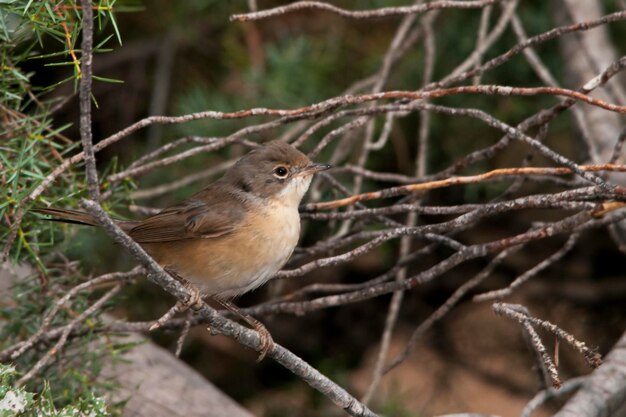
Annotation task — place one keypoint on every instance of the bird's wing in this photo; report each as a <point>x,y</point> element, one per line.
<point>209,214</point>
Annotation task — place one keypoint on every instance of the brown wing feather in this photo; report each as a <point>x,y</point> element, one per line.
<point>213,212</point>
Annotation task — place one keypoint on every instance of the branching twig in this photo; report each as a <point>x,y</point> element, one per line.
<point>520,314</point>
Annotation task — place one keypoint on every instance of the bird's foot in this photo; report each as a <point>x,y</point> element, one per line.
<point>194,301</point>
<point>266,341</point>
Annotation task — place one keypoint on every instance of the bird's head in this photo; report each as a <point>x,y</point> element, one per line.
<point>274,171</point>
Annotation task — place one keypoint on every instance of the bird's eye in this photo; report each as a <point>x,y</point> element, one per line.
<point>281,172</point>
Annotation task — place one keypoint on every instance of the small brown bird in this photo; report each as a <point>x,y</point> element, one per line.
<point>232,236</point>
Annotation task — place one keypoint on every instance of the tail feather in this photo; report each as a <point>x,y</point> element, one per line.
<point>79,217</point>
<point>67,216</point>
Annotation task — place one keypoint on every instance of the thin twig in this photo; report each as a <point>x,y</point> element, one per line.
<point>508,9</point>
<point>361,14</point>
<point>480,38</point>
<point>183,334</point>
<point>517,282</point>
<point>542,353</point>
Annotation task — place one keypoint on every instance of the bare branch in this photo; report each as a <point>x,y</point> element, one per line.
<point>85,100</point>
<point>470,179</point>
<point>363,14</point>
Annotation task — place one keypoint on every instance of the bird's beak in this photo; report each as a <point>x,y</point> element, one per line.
<point>312,169</point>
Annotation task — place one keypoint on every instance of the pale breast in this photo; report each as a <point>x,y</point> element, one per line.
<point>281,227</point>
<point>273,235</point>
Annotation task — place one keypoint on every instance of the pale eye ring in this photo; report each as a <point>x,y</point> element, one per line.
<point>281,172</point>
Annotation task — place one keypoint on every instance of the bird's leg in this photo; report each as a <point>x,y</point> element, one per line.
<point>267,343</point>
<point>194,301</point>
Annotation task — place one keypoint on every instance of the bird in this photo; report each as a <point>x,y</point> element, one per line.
<point>230,237</point>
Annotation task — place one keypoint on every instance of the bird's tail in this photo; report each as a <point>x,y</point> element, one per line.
<point>79,217</point>
<point>67,216</point>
